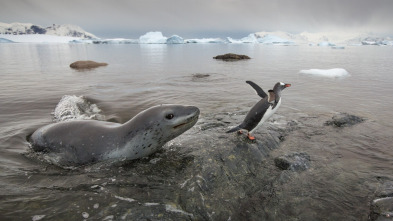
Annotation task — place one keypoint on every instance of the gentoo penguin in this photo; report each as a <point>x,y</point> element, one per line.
<point>262,110</point>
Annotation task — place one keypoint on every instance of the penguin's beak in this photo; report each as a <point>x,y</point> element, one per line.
<point>287,85</point>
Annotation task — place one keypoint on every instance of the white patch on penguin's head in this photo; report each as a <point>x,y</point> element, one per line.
<point>282,84</point>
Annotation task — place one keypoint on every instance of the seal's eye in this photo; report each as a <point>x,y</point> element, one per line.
<point>169,116</point>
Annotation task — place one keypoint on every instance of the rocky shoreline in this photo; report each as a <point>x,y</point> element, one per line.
<point>207,174</point>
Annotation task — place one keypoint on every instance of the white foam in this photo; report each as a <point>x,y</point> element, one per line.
<point>333,73</point>
<point>38,217</point>
<point>125,199</point>
<point>73,107</point>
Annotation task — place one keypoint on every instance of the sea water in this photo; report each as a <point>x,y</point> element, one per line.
<point>35,77</point>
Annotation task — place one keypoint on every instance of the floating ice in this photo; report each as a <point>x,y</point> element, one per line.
<point>326,44</point>
<point>155,37</point>
<point>115,41</point>
<point>36,38</point>
<point>73,107</point>
<point>206,40</point>
<point>272,39</point>
<point>3,40</point>
<point>338,47</point>
<point>251,38</point>
<point>175,39</point>
<point>333,73</point>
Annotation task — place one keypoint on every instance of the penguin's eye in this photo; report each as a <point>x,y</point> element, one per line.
<point>169,116</point>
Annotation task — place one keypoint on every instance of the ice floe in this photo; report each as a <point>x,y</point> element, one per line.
<point>275,40</point>
<point>154,37</point>
<point>332,73</point>
<point>37,38</point>
<point>326,44</point>
<point>205,40</point>
<point>251,38</point>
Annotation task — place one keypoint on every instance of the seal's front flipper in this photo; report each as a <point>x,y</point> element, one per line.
<point>258,89</point>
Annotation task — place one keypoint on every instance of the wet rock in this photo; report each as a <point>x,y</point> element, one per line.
<point>205,174</point>
<point>344,120</point>
<point>294,162</point>
<point>381,208</point>
<point>198,75</point>
<point>231,57</point>
<point>80,65</point>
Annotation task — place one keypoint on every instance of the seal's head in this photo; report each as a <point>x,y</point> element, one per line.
<point>177,119</point>
<point>165,122</point>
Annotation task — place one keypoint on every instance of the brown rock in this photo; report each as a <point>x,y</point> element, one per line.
<point>231,57</point>
<point>86,64</point>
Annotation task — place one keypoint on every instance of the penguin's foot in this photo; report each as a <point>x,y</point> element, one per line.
<point>250,137</point>
<point>239,132</point>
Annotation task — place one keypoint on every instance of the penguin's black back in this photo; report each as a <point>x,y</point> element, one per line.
<point>255,115</point>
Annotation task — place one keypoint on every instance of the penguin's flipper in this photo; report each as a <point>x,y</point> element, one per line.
<point>258,89</point>
<point>234,129</point>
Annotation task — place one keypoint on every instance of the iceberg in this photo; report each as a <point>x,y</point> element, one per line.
<point>251,38</point>
<point>333,73</point>
<point>275,40</point>
<point>175,39</point>
<point>326,44</point>
<point>154,37</point>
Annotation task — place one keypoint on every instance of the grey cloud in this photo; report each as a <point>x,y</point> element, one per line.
<point>198,17</point>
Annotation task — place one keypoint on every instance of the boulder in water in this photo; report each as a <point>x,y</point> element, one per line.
<point>344,120</point>
<point>86,65</point>
<point>231,57</point>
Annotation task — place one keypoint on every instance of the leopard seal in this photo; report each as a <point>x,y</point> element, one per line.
<point>79,142</point>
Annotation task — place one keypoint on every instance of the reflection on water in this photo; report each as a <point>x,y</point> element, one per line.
<point>34,77</point>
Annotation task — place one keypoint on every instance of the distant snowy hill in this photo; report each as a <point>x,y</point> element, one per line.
<point>56,30</point>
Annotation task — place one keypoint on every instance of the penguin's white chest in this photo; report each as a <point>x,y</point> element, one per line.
<point>269,112</point>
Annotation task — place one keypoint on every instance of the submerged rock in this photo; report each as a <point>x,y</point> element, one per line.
<point>344,120</point>
<point>294,162</point>
<point>231,57</point>
<point>86,65</point>
<point>198,75</point>
<point>381,208</point>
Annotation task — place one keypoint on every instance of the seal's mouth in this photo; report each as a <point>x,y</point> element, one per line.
<point>177,126</point>
<point>191,120</point>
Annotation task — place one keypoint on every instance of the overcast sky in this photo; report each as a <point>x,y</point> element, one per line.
<point>203,18</point>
